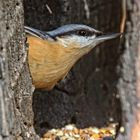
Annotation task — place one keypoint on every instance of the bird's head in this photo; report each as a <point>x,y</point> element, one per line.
<point>80,36</point>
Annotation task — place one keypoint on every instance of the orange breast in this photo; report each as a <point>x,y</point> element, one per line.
<point>49,62</point>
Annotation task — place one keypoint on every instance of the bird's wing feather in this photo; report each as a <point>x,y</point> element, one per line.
<point>36,32</point>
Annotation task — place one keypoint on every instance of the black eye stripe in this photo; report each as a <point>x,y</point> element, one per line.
<point>99,34</point>
<point>86,33</point>
<point>81,32</point>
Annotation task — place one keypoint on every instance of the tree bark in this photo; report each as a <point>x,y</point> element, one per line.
<point>16,116</point>
<point>128,84</point>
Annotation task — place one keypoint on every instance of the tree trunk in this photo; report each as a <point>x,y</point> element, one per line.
<point>16,116</point>
<point>129,81</point>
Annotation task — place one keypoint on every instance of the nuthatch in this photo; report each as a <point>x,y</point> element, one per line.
<point>52,54</point>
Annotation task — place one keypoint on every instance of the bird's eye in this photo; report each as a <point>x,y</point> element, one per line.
<point>82,33</point>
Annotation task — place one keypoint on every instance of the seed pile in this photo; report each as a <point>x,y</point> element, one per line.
<point>71,132</point>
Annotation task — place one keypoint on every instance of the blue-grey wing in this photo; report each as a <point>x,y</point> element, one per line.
<point>36,32</point>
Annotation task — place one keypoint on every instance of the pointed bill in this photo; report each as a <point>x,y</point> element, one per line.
<point>105,37</point>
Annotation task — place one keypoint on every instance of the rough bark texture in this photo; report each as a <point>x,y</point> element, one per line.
<point>128,84</point>
<point>16,116</point>
<point>88,95</point>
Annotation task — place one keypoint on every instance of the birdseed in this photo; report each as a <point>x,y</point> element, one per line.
<point>71,132</point>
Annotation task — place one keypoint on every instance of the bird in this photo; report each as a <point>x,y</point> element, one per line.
<point>52,54</point>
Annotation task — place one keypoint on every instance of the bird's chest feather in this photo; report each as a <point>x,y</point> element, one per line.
<point>49,62</point>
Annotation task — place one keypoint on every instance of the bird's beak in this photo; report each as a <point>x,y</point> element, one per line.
<point>103,37</point>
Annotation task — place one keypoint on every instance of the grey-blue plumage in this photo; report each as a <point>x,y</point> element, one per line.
<point>72,29</point>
